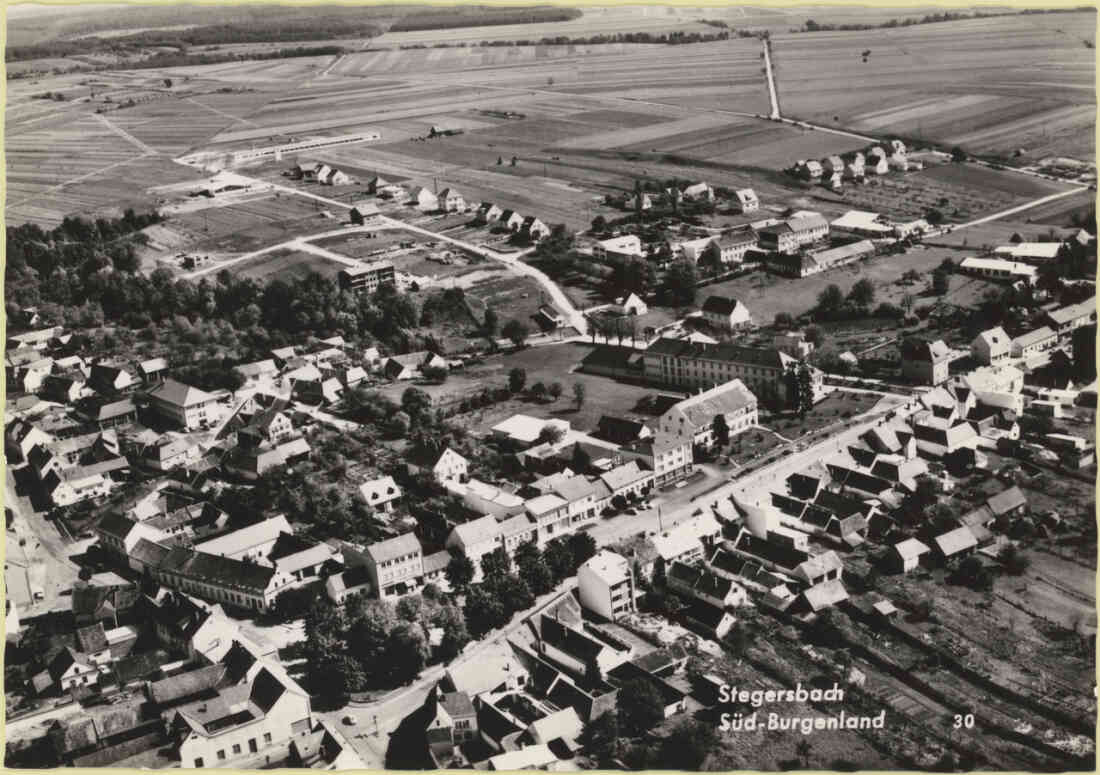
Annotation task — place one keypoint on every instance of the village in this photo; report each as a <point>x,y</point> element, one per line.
<point>322,463</point>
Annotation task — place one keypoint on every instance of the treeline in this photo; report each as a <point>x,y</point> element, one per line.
<point>481,16</point>
<point>932,18</point>
<point>670,39</point>
<point>211,35</point>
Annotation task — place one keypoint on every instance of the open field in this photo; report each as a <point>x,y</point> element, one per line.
<point>286,265</point>
<point>991,85</point>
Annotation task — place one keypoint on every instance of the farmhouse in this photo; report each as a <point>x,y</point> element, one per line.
<point>726,314</point>
<point>646,202</point>
<point>998,269</point>
<point>691,249</point>
<point>182,405</point>
<point>806,264</point>
<point>746,200</point>
<point>692,420</point>
<point>451,201</point>
<point>367,277</point>
<point>699,192</point>
<point>991,346</point>
<point>618,249</point>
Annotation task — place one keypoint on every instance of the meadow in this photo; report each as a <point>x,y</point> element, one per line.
<point>992,85</point>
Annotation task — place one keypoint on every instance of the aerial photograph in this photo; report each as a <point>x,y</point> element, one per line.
<point>550,387</point>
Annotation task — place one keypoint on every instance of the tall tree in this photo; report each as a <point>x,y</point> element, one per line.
<point>515,331</point>
<point>641,707</point>
<point>579,393</point>
<point>721,430</point>
<point>406,651</point>
<point>459,573</point>
<point>517,379</point>
<point>496,563</point>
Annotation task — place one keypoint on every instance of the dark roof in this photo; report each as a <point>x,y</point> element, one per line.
<point>116,525</point>
<point>1007,500</point>
<point>238,661</point>
<point>759,356</point>
<point>859,480</point>
<point>706,614</point>
<point>266,690</point>
<point>184,686</point>
<point>720,305</point>
<point>842,505</point>
<point>457,704</point>
<point>803,486</point>
<point>609,357</point>
<point>569,640</point>
<point>148,553</point>
<point>223,570</point>
<point>138,666</point>
<point>618,429</point>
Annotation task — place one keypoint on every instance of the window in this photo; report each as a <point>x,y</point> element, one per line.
<point>221,755</point>
<point>198,763</point>
<point>236,748</point>
<point>267,737</point>
<point>252,745</point>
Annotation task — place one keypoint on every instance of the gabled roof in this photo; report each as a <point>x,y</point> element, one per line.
<point>379,491</point>
<point>178,394</point>
<point>911,548</point>
<point>826,594</point>
<point>478,530</point>
<point>185,685</point>
<point>721,305</point>
<point>1006,501</point>
<point>92,639</point>
<point>955,541</point>
<point>393,548</point>
<point>757,356</point>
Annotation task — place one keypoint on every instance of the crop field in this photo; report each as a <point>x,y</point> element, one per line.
<point>246,226</point>
<point>992,85</point>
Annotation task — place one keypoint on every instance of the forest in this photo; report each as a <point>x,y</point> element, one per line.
<point>482,16</point>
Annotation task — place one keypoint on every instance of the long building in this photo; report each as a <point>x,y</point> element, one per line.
<point>688,364</point>
<point>367,277</point>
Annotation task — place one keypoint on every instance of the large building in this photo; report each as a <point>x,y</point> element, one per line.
<point>606,585</point>
<point>395,566</point>
<point>699,365</point>
<point>1065,319</point>
<point>991,346</point>
<point>925,363</point>
<point>182,405</point>
<point>999,269</point>
<point>692,420</point>
<point>367,277</point>
<point>618,249</point>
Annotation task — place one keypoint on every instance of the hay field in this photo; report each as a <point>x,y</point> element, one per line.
<point>992,85</point>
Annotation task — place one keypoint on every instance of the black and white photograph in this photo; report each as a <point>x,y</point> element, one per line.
<point>409,386</point>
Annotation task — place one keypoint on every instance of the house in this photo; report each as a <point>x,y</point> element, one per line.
<point>488,212</point>
<point>991,346</point>
<point>692,249</point>
<point>1034,342</point>
<point>746,200</point>
<point>713,622</point>
<point>699,582</point>
<point>252,373</point>
<point>627,480</point>
<point>998,269</point>
<point>530,757</point>
<point>525,430</point>
<point>453,722</point>
<point>899,162</point>
<point>353,581</point>
<point>20,437</point>
<point>832,165</point>
<point>925,363</point>
<point>954,544</point>
<point>809,170</point>
<point>1008,503</point>
<point>669,457</point>
<point>411,365</point>
<point>698,192</point>
<point>605,584</point>
<point>1066,319</point>
<point>110,379</point>
<point>451,201</point>
<point>620,430</point>
<point>63,389</point>
<point>906,555</point>
<point>855,167</point>
<point>395,566</point>
<point>646,202</point>
<point>633,305</point>
<point>67,670</point>
<point>450,467</point>
<point>793,343</point>
<point>269,426</point>
<point>692,419</point>
<point>182,405</point>
<point>818,597</point>
<point>778,238</point>
<point>169,453</point>
<point>618,250</point>
<point>424,199</point>
<point>511,220</point>
<point>252,543</point>
<point>382,494</point>
<point>475,539</point>
<point>726,314</point>
<point>534,229</point>
<point>376,184</point>
<point>1030,251</point>
<point>575,649</point>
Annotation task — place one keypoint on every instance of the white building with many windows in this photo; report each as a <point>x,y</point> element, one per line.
<point>606,585</point>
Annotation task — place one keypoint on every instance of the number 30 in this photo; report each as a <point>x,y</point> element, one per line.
<point>966,721</point>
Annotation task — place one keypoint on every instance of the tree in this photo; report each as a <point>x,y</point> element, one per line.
<point>580,462</point>
<point>407,652</point>
<point>516,332</point>
<point>538,391</point>
<point>496,563</point>
<point>1014,561</point>
<point>295,603</point>
<point>1036,424</point>
<point>583,548</point>
<point>550,434</point>
<point>907,302</point>
<point>800,389</point>
<point>830,300</point>
<point>815,336</point>
<point>599,225</point>
<point>958,154</point>
<point>356,217</point>
<point>411,608</point>
<point>85,573</point>
<point>558,558</point>
<point>517,378</point>
<point>484,611</point>
<point>862,294</point>
<point>973,573</point>
<point>492,323</point>
<point>941,282</point>
<point>640,706</point>
<point>721,430</point>
<point>678,288</point>
<point>370,622</point>
<point>555,389</point>
<point>398,425</point>
<point>459,573</point>
<point>168,83</point>
<point>415,403</point>
<point>783,321</point>
<point>687,746</point>
<point>534,571</point>
<point>601,738</point>
<point>579,392</point>
<point>455,635</point>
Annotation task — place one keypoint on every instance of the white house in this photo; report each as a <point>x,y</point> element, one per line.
<point>692,420</point>
<point>451,201</point>
<point>991,346</point>
<point>382,494</point>
<point>606,585</point>
<point>450,467</point>
<point>618,249</point>
<point>747,201</point>
<point>424,199</point>
<point>726,314</point>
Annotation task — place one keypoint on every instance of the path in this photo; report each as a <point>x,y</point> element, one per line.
<point>212,109</point>
<point>145,149</point>
<point>771,79</point>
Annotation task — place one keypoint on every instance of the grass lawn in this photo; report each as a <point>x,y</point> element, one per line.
<point>838,406</point>
<point>752,445</point>
<point>287,265</point>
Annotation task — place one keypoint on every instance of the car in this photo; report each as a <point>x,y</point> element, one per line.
<point>349,720</point>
